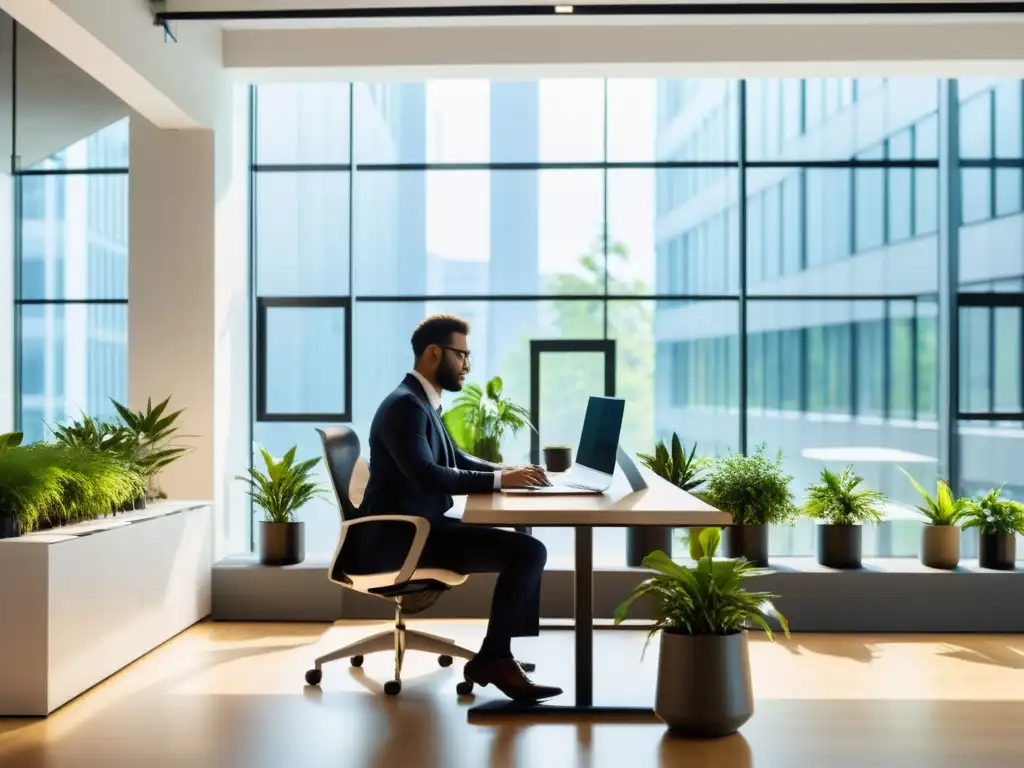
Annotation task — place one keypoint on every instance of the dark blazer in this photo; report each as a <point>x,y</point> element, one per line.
<point>415,469</point>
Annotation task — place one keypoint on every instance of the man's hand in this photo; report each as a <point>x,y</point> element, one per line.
<point>523,477</point>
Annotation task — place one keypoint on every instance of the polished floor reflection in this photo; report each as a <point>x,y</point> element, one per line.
<point>233,695</point>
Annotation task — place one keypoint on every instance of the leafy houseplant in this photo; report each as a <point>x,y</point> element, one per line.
<point>149,441</point>
<point>685,471</point>
<point>842,508</point>
<point>940,537</point>
<point>998,522</point>
<point>280,492</point>
<point>756,492</point>
<point>480,418</point>
<point>703,612</point>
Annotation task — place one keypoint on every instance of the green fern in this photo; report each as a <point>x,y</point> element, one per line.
<point>707,599</point>
<point>836,499</point>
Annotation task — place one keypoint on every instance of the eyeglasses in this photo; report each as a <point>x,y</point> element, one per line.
<point>462,353</point>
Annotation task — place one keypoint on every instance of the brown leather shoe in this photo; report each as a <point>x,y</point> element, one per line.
<point>508,677</point>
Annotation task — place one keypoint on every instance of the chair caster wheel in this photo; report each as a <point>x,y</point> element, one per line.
<point>356,661</point>
<point>444,661</point>
<point>465,688</point>
<point>528,666</point>
<point>314,676</point>
<point>393,687</point>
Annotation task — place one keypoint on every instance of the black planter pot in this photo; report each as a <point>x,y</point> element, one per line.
<point>839,546</point>
<point>749,542</point>
<point>140,503</point>
<point>997,551</point>
<point>282,543</point>
<point>641,540</point>
<point>557,458</point>
<point>10,527</point>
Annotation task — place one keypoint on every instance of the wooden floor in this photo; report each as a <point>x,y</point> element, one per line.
<point>233,695</point>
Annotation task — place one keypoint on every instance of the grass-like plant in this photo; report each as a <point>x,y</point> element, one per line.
<point>753,489</point>
<point>480,417</point>
<point>707,599</point>
<point>943,508</point>
<point>284,488</point>
<point>992,514</point>
<point>836,499</point>
<point>32,487</point>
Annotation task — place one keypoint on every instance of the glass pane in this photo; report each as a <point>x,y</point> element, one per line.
<point>306,359</point>
<point>479,121</point>
<point>106,148</point>
<point>673,231</point>
<point>673,120</point>
<point>74,236</point>
<point>302,233</point>
<point>854,400</point>
<point>786,121</point>
<point>470,233</point>
<point>302,123</point>
<point>74,359</point>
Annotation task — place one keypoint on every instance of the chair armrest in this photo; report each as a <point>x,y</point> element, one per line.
<point>412,559</point>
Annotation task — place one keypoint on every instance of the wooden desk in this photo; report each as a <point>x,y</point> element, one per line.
<point>661,504</point>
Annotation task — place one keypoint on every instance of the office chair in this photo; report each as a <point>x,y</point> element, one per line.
<point>411,589</point>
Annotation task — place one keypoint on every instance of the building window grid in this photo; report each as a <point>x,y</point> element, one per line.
<point>698,354</point>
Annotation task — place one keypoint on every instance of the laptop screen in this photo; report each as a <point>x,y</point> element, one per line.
<point>599,441</point>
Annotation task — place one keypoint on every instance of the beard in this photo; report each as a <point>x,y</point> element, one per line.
<point>448,377</point>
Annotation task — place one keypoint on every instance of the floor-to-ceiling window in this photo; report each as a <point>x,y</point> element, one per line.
<point>71,286</point>
<point>643,211</point>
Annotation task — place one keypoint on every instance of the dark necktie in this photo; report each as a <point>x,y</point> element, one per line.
<point>449,447</point>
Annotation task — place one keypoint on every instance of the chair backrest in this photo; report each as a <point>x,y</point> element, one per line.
<point>341,454</point>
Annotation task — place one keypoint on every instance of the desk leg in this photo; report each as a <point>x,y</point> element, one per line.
<point>584,616</point>
<point>583,635</point>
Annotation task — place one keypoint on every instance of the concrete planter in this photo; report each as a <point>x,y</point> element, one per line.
<point>940,546</point>
<point>704,687</point>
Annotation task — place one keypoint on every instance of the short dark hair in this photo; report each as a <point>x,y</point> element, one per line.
<point>436,329</point>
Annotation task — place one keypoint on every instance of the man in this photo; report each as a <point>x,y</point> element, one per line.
<point>415,469</point>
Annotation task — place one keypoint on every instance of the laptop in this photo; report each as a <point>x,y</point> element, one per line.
<point>597,454</point>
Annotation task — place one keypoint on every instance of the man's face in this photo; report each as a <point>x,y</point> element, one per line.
<point>453,364</point>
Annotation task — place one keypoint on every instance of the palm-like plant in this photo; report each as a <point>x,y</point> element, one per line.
<point>993,514</point>
<point>284,488</point>
<point>837,500</point>
<point>707,599</point>
<point>147,437</point>
<point>943,508</point>
<point>679,468</point>
<point>480,417</point>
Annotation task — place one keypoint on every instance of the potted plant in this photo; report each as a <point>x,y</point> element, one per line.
<point>280,492</point>
<point>479,419</point>
<point>998,521</point>
<point>93,436</point>
<point>756,492</point>
<point>940,536</point>
<point>704,612</point>
<point>842,508</point>
<point>685,471</point>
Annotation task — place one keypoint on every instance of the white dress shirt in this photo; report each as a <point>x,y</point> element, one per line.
<point>434,398</point>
